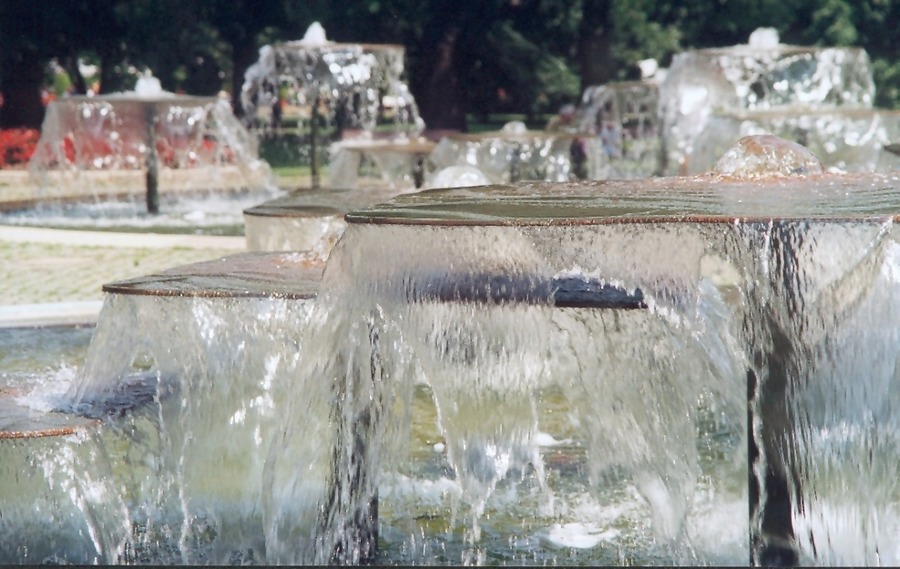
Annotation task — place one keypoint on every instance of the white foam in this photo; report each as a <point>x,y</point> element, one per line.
<point>579,535</point>
<point>547,440</point>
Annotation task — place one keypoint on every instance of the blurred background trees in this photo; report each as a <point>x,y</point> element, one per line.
<point>464,57</point>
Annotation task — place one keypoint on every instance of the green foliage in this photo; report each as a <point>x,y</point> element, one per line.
<point>637,37</point>
<point>500,55</point>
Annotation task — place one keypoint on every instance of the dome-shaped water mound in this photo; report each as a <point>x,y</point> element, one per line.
<point>765,156</point>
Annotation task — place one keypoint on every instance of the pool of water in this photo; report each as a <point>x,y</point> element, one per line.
<point>202,213</point>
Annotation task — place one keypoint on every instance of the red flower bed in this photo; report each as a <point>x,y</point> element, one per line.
<point>17,145</point>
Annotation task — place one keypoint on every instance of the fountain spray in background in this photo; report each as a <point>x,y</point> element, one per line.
<point>820,97</point>
<point>342,87</point>
<point>134,143</point>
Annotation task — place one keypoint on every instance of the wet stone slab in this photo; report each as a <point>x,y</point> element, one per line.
<point>256,274</point>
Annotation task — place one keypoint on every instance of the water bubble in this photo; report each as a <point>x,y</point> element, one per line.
<point>764,156</point>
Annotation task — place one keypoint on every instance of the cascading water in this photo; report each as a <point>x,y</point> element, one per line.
<point>762,78</point>
<point>624,116</point>
<point>98,155</point>
<point>358,83</point>
<point>530,374</point>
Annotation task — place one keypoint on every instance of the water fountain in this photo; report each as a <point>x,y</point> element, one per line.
<point>849,140</point>
<point>624,117</point>
<point>104,147</point>
<point>307,219</point>
<point>781,88</point>
<point>587,372</point>
<point>358,86</point>
<point>515,153</point>
<point>399,165</point>
<point>124,480</point>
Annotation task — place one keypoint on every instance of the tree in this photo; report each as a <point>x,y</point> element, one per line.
<point>28,35</point>
<point>239,23</point>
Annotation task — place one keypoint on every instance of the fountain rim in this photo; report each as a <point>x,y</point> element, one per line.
<point>301,212</point>
<point>248,275</point>
<point>780,49</point>
<point>130,287</point>
<point>363,218</point>
<point>298,45</point>
<point>14,434</point>
<point>702,199</point>
<point>46,433</point>
<point>131,97</point>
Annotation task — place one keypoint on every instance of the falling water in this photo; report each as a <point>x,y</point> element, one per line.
<point>491,372</point>
<point>457,394</point>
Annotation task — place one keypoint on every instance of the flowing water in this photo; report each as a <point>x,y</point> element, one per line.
<point>453,373</point>
<point>204,213</point>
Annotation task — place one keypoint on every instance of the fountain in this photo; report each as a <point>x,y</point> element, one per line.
<point>103,147</point>
<point>588,372</point>
<point>624,117</point>
<point>849,140</point>
<point>307,219</point>
<point>399,165</point>
<point>515,153</point>
<point>359,86</point>
<point>313,220</point>
<point>768,278</point>
<point>124,480</point>
<point>792,91</point>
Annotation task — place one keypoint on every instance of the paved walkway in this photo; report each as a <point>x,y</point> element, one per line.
<point>55,276</point>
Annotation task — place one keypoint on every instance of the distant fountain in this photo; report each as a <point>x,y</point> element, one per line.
<point>402,165</point>
<point>516,153</point>
<point>767,86</point>
<point>335,86</point>
<point>623,116</point>
<point>848,140</point>
<point>141,142</point>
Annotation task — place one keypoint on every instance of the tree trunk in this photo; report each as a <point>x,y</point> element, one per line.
<point>70,64</point>
<point>110,80</point>
<point>22,78</point>
<point>594,43</point>
<point>243,55</point>
<point>440,98</point>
